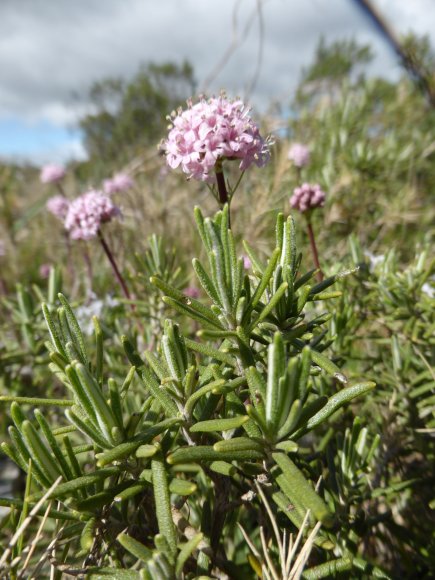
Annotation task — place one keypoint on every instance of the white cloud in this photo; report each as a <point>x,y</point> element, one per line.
<point>50,50</point>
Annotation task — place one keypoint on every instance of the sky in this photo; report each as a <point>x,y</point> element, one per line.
<point>51,50</point>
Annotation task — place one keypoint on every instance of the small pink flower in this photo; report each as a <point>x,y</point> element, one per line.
<point>299,154</point>
<point>307,197</point>
<point>192,292</point>
<point>119,183</point>
<point>246,262</point>
<point>86,214</point>
<point>44,271</point>
<point>211,131</point>
<point>52,173</point>
<point>58,205</point>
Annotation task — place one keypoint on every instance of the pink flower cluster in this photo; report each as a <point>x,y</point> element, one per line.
<point>299,154</point>
<point>307,197</point>
<point>119,183</point>
<point>58,205</point>
<point>52,173</point>
<point>210,131</point>
<point>86,214</point>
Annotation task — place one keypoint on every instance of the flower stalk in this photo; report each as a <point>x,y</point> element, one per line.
<point>114,265</point>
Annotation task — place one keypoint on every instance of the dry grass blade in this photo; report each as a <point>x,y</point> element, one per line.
<point>295,546</point>
<point>304,554</point>
<point>275,528</point>
<point>27,521</point>
<point>34,542</point>
<point>46,554</point>
<point>271,567</point>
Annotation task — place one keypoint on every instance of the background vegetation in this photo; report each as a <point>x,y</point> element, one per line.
<point>373,152</point>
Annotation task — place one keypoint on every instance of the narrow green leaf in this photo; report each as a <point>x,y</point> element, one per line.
<point>276,369</point>
<point>39,452</point>
<point>37,401</point>
<point>147,378</point>
<point>69,487</point>
<point>54,334</point>
<point>74,326</point>
<point>186,551</point>
<point>99,350</point>
<point>207,453</point>
<point>135,548</point>
<point>259,291</point>
<point>163,503</point>
<point>207,350</point>
<point>219,424</point>
<point>86,427</point>
<point>294,485</point>
<point>238,444</point>
<point>48,434</point>
<point>182,487</point>
<point>87,536</point>
<point>328,366</point>
<point>338,400</point>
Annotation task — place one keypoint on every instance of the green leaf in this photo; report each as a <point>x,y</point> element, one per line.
<point>294,485</point>
<point>186,551</point>
<point>219,424</point>
<point>163,503</point>
<point>37,401</point>
<point>338,400</point>
<point>148,380</point>
<point>74,326</point>
<point>48,434</point>
<point>238,444</point>
<point>69,487</point>
<point>264,282</point>
<point>135,548</point>
<point>276,369</point>
<point>87,536</point>
<point>328,366</point>
<point>209,351</point>
<point>39,453</point>
<point>207,453</point>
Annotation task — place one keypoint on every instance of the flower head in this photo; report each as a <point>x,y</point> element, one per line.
<point>119,183</point>
<point>247,264</point>
<point>44,270</point>
<point>299,154</point>
<point>211,131</point>
<point>58,205</point>
<point>307,197</point>
<point>86,214</point>
<point>52,173</point>
<point>192,292</point>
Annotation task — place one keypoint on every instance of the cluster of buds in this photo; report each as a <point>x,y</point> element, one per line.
<point>86,214</point>
<point>52,173</point>
<point>299,154</point>
<point>118,184</point>
<point>307,197</point>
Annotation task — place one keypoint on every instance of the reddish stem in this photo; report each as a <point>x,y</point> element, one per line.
<point>222,191</point>
<point>314,251</point>
<point>114,266</point>
<point>222,187</point>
